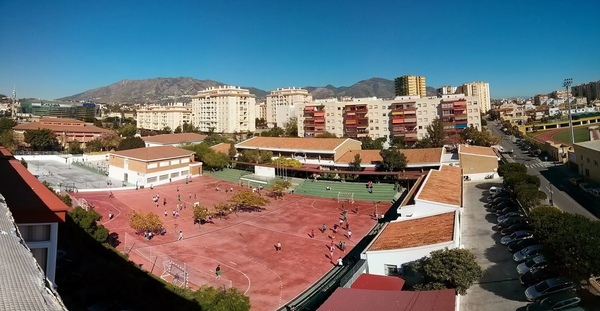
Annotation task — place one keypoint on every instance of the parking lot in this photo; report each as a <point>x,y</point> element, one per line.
<point>499,288</point>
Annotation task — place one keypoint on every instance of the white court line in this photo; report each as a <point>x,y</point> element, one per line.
<point>233,262</point>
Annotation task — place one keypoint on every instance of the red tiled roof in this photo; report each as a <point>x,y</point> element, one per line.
<point>378,282</point>
<point>28,199</point>
<point>61,120</point>
<point>416,232</point>
<point>349,299</point>
<point>222,147</point>
<point>366,156</point>
<point>443,186</point>
<point>298,143</point>
<point>60,128</point>
<point>413,156</point>
<point>477,150</point>
<point>154,153</point>
<point>178,138</point>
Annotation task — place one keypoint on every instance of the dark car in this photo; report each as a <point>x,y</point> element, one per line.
<point>513,248</point>
<point>517,236</point>
<point>535,276</point>
<point>535,262</point>
<point>548,287</point>
<point>508,215</point>
<point>528,252</point>
<point>498,195</point>
<point>499,199</point>
<point>512,221</point>
<point>502,205</point>
<point>515,228</point>
<point>509,209</point>
<point>562,301</point>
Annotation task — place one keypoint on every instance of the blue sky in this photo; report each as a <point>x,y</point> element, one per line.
<point>51,49</point>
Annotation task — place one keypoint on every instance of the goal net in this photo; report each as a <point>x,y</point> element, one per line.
<point>345,197</point>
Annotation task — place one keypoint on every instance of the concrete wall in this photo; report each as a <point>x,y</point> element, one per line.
<point>424,208</point>
<point>588,163</point>
<point>376,260</point>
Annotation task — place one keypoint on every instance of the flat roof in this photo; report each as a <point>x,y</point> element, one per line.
<point>154,153</point>
<point>592,145</point>
<point>378,282</point>
<point>443,186</point>
<point>178,138</point>
<point>293,143</point>
<point>60,128</point>
<point>477,150</point>
<point>350,299</point>
<point>416,232</point>
<point>29,200</point>
<point>413,156</point>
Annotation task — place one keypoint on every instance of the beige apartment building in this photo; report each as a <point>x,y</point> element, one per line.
<point>410,85</point>
<point>158,117</point>
<point>480,90</point>
<point>224,109</point>
<point>261,110</point>
<point>281,104</point>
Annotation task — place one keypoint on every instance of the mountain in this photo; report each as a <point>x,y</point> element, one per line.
<point>169,89</point>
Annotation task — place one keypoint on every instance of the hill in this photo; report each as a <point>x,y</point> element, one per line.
<point>382,88</point>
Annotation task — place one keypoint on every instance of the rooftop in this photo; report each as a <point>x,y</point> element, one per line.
<point>293,143</point>
<point>222,147</point>
<point>592,145</point>
<point>413,156</point>
<point>30,201</point>
<point>378,282</point>
<point>416,232</point>
<point>154,153</point>
<point>349,299</point>
<point>477,150</point>
<point>443,186</point>
<point>24,285</point>
<point>179,138</point>
<point>60,128</point>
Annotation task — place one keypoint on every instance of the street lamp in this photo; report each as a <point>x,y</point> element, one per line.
<point>551,193</point>
<point>567,83</point>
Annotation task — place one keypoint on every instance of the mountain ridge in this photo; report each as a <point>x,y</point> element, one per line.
<point>153,90</point>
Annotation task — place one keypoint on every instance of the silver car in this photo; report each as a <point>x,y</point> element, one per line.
<point>528,252</point>
<point>534,262</point>
<point>548,287</point>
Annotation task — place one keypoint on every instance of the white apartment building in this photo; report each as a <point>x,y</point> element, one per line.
<point>261,110</point>
<point>446,89</point>
<point>158,117</point>
<point>281,104</point>
<point>224,109</point>
<point>479,89</point>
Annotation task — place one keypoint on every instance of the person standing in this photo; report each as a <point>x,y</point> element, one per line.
<point>218,272</point>
<point>349,234</point>
<point>344,247</point>
<point>324,228</point>
<point>180,236</point>
<point>164,201</point>
<point>355,209</point>
<point>190,195</point>
<point>340,262</point>
<point>312,234</point>
<point>278,246</point>
<point>166,213</point>
<point>110,215</point>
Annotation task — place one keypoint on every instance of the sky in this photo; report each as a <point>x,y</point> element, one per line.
<point>53,49</point>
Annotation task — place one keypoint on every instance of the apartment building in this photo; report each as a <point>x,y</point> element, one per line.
<point>261,110</point>
<point>480,90</point>
<point>281,104</point>
<point>224,109</point>
<point>590,90</point>
<point>405,116</point>
<point>410,85</point>
<point>158,117</point>
<point>445,90</point>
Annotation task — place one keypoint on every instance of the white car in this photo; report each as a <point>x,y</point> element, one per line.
<point>494,190</point>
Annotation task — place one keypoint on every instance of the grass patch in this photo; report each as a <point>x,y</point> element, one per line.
<point>581,134</point>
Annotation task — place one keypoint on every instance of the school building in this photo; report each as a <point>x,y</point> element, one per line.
<point>175,140</point>
<point>65,130</point>
<point>478,162</point>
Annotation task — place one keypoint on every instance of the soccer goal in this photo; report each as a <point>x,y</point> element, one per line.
<point>346,197</point>
<point>83,203</point>
<point>175,273</point>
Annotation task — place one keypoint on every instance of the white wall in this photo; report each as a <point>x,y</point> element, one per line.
<point>425,208</point>
<point>376,260</point>
<point>142,179</point>
<point>264,171</point>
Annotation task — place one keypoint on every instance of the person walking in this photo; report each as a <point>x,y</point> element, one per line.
<point>179,197</point>
<point>278,246</point>
<point>190,195</point>
<point>110,215</point>
<point>340,262</point>
<point>218,272</point>
<point>177,188</point>
<point>194,195</point>
<point>349,234</point>
<point>312,234</point>
<point>166,213</point>
<point>180,236</point>
<point>164,201</point>
<point>355,209</point>
<point>344,247</point>
<point>324,228</point>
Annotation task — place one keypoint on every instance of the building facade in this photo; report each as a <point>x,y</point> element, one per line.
<point>480,90</point>
<point>590,90</point>
<point>158,117</point>
<point>588,158</point>
<point>65,130</point>
<point>58,109</point>
<point>224,109</point>
<point>281,104</point>
<point>410,85</point>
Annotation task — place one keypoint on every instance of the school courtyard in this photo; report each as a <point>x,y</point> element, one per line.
<point>244,243</point>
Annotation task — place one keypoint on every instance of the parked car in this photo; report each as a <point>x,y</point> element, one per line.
<point>508,215</point>
<point>535,276</point>
<point>499,200</point>
<point>514,228</point>
<point>548,287</point>
<point>595,192</point>
<point>585,187</point>
<point>512,208</point>
<point>494,190</point>
<point>575,181</point>
<point>512,221</point>
<point>537,261</point>
<point>503,194</point>
<point>516,236</point>
<point>513,248</point>
<point>502,205</point>
<point>528,252</point>
<point>562,301</point>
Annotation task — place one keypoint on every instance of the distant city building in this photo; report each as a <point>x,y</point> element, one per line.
<point>281,104</point>
<point>58,109</point>
<point>478,89</point>
<point>261,110</point>
<point>158,117</point>
<point>445,90</point>
<point>590,90</point>
<point>65,130</point>
<point>175,140</point>
<point>224,109</point>
<point>410,85</point>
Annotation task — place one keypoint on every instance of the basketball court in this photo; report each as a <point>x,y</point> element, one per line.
<point>243,244</point>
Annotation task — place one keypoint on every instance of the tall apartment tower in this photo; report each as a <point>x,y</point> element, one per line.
<point>159,117</point>
<point>281,104</point>
<point>411,85</point>
<point>224,109</point>
<point>478,89</point>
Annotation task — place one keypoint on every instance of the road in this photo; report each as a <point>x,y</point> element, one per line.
<point>558,188</point>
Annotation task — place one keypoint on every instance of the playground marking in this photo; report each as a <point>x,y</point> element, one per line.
<point>233,262</point>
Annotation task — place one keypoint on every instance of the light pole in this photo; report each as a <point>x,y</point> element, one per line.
<point>567,83</point>
<point>551,193</point>
<point>376,211</point>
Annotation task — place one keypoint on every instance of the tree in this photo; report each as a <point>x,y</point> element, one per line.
<point>178,130</point>
<point>274,132</point>
<point>201,212</point>
<point>290,127</point>
<point>513,180</point>
<point>210,298</point>
<point>511,167</point>
<point>357,162</point>
<point>250,156</point>
<point>141,222</point>
<point>165,130</point>
<point>215,139</point>
<point>454,140</point>
<point>476,137</point>
<point>285,162</point>
<point>6,124</point>
<point>7,139</point>
<point>41,139</point>
<point>424,142</point>
<point>216,160</point>
<point>266,157</point>
<point>200,149</point>
<point>131,143</point>
<point>189,128</point>
<point>448,268</point>
<point>110,141</point>
<point>222,209</point>
<point>393,160</point>
<point>24,163</point>
<point>93,145</point>
<point>88,221</point>
<point>372,144</point>
<point>128,130</point>
<point>435,133</point>
<point>397,142</point>
<point>326,134</point>
<point>529,195</point>
<point>74,148</point>
<point>279,187</point>
<point>247,199</point>
<point>260,123</point>
<point>232,151</point>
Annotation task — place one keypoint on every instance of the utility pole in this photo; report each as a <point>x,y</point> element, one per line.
<point>551,193</point>
<point>567,83</point>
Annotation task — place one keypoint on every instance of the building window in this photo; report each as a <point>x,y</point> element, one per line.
<point>419,112</point>
<point>595,163</point>
<point>370,106</point>
<point>420,120</point>
<point>371,121</point>
<point>420,127</point>
<point>384,114</point>
<point>391,270</point>
<point>41,256</point>
<point>588,160</point>
<point>377,128</point>
<point>371,128</point>
<point>385,128</point>
<point>375,107</point>
<point>35,233</point>
<point>425,120</point>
